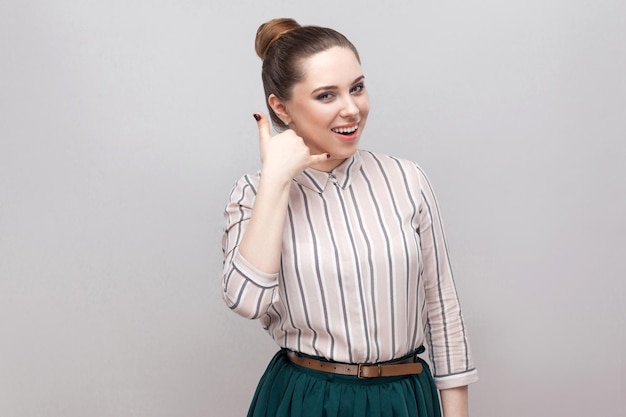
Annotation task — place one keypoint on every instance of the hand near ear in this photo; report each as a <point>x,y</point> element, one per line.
<point>284,155</point>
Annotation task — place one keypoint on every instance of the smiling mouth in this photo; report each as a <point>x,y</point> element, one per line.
<point>345,130</point>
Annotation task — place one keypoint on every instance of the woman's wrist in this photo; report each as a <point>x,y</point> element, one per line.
<point>275,177</point>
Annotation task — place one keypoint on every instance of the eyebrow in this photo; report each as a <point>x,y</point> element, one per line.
<point>334,87</point>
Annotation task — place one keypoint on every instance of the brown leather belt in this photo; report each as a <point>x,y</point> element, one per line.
<point>361,370</point>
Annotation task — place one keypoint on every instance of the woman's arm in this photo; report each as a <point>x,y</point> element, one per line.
<point>454,402</point>
<point>283,157</point>
<point>449,349</point>
<point>262,241</point>
<point>255,220</point>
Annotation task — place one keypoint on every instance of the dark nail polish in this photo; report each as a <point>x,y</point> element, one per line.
<point>257,117</point>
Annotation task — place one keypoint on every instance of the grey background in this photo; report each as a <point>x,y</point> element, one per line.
<point>124,124</point>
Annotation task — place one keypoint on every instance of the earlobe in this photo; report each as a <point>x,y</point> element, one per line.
<point>279,108</point>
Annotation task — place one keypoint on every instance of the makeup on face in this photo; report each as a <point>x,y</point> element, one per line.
<point>329,107</point>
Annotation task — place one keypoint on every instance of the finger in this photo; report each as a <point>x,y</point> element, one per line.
<point>316,159</point>
<point>264,126</point>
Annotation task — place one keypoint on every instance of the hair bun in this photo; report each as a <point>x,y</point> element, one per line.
<point>268,32</point>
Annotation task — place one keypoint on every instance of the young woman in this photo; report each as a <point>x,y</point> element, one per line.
<point>340,252</point>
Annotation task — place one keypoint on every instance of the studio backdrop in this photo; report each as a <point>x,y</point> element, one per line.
<point>124,125</point>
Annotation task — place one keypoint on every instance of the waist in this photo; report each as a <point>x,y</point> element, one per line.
<point>400,367</point>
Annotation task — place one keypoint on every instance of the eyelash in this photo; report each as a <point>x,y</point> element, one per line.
<point>324,96</point>
<point>357,89</point>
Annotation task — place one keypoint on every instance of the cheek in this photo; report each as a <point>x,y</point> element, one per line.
<point>366,103</point>
<point>321,115</point>
<point>311,113</point>
<point>364,110</point>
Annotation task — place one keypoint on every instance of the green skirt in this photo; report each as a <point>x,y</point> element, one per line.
<point>288,390</point>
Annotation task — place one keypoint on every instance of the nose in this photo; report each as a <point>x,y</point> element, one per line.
<point>350,109</point>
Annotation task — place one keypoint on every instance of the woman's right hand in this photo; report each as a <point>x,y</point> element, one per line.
<point>285,155</point>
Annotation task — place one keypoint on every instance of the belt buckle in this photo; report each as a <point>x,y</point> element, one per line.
<point>360,371</point>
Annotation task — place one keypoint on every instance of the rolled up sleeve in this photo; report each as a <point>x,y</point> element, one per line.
<point>245,289</point>
<point>446,334</point>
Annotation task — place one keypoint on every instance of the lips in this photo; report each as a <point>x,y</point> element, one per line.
<point>345,130</point>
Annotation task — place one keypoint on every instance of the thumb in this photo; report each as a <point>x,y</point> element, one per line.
<point>264,126</point>
<point>316,159</point>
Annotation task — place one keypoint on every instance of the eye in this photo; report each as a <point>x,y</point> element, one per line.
<point>325,97</point>
<point>357,88</point>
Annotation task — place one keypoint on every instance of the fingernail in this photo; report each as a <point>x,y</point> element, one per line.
<point>257,117</point>
<point>327,156</point>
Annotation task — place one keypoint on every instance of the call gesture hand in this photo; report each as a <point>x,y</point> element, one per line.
<point>284,155</point>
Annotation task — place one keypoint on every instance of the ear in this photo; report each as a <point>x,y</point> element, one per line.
<point>280,108</point>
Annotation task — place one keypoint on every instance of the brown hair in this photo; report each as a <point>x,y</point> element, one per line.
<point>283,44</point>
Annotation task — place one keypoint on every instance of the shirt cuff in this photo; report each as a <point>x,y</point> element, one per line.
<point>250,272</point>
<point>456,380</point>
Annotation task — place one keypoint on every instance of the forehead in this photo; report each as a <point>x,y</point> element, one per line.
<point>333,67</point>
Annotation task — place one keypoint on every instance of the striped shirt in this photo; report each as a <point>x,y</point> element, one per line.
<point>365,275</point>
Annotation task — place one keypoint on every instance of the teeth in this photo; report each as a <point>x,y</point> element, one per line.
<point>345,129</point>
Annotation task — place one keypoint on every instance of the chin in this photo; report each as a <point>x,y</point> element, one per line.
<point>344,153</point>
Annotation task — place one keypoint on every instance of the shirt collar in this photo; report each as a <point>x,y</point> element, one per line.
<point>341,175</point>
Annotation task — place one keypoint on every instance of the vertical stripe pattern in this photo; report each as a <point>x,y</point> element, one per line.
<point>365,273</point>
